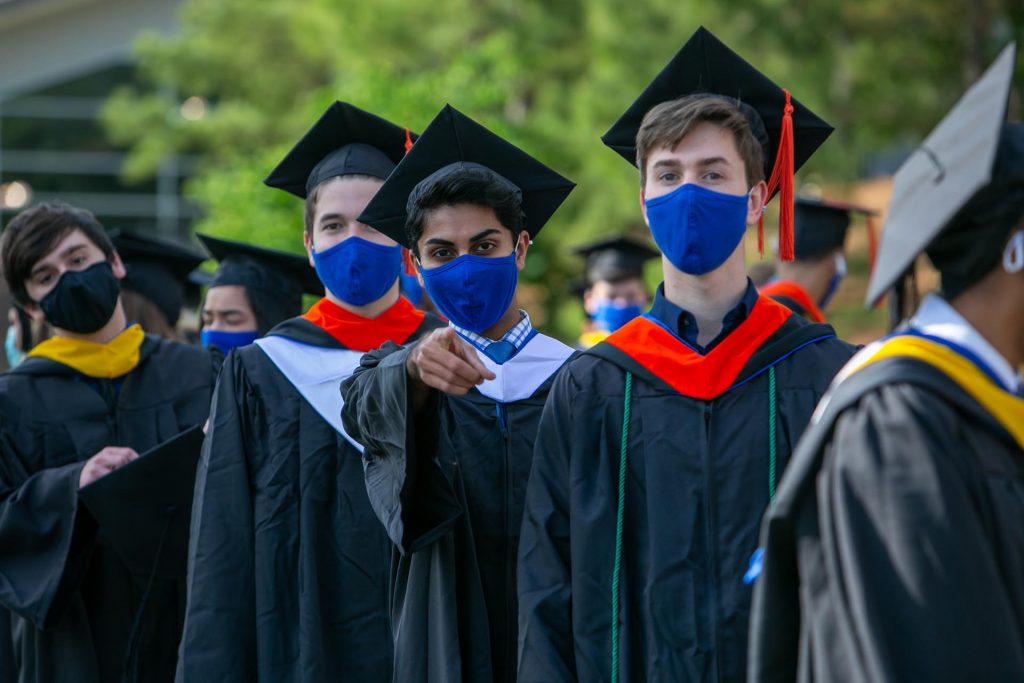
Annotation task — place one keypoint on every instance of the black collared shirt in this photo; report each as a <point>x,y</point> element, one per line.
<point>684,324</point>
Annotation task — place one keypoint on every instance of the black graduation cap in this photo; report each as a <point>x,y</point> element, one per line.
<point>820,226</point>
<point>455,143</point>
<point>345,140</point>
<point>948,172</point>
<point>615,258</point>
<point>143,509</point>
<point>274,280</point>
<point>706,65</point>
<point>160,270</point>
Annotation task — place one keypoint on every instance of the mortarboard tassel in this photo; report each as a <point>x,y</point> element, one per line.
<point>872,244</point>
<point>782,178</point>
<point>407,262</point>
<point>408,146</point>
<point>873,253</point>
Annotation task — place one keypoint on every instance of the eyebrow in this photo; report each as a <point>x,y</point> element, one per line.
<point>483,234</point>
<point>674,163</point>
<point>333,216</point>
<point>439,241</point>
<point>63,255</point>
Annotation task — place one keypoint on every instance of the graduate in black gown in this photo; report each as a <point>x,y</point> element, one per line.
<point>895,550</point>
<point>807,284</point>
<point>288,567</point>
<point>83,403</point>
<point>449,423</point>
<point>613,290</point>
<point>253,290</point>
<point>659,448</point>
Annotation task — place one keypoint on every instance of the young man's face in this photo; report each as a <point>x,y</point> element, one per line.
<point>707,157</point>
<point>452,231</point>
<point>339,203</point>
<point>622,293</point>
<point>227,309</point>
<point>73,252</point>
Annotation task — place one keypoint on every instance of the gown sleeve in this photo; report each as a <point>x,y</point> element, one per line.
<point>907,547</point>
<point>409,491</point>
<point>45,538</point>
<point>544,581</point>
<point>218,641</point>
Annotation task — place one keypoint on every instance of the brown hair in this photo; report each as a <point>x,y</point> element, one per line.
<point>139,309</point>
<point>35,232</point>
<point>666,124</point>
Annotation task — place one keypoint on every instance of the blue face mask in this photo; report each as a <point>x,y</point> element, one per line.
<point>610,316</point>
<point>225,341</point>
<point>473,291</point>
<point>697,229</point>
<point>833,284</point>
<point>14,355</point>
<point>358,271</point>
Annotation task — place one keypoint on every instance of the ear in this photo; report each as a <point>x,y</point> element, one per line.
<point>756,199</point>
<point>307,242</point>
<point>117,265</point>
<point>643,208</point>
<point>522,245</point>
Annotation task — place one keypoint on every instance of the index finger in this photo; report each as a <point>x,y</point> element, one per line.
<point>467,353</point>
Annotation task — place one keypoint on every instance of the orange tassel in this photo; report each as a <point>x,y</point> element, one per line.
<point>782,178</point>
<point>408,146</point>
<point>872,243</point>
<point>407,262</point>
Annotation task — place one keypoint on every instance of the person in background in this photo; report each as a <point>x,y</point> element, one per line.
<point>161,281</point>
<point>894,550</point>
<point>613,289</point>
<point>253,290</point>
<point>18,340</point>
<point>807,284</point>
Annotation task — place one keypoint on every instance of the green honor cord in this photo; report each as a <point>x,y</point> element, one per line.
<point>620,513</point>
<point>772,417</point>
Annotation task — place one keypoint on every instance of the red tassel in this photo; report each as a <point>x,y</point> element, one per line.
<point>782,178</point>
<point>408,146</point>
<point>407,262</point>
<point>760,235</point>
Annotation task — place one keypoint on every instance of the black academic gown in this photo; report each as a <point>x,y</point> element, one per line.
<point>895,548</point>
<point>697,483</point>
<point>449,488</point>
<point>73,600</point>
<point>288,566</point>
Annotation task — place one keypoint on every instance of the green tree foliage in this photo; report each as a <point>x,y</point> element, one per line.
<point>551,76</point>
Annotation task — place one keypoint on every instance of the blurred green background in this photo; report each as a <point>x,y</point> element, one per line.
<point>550,76</point>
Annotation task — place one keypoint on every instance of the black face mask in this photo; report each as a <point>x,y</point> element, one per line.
<point>83,300</point>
